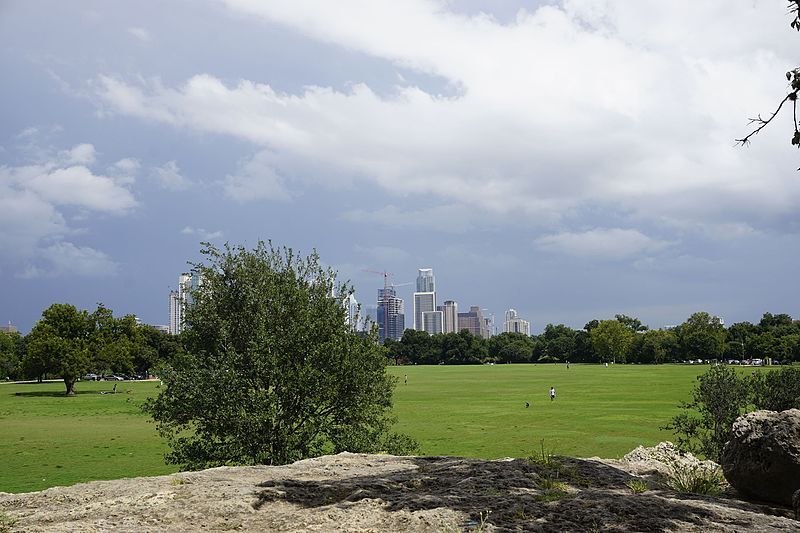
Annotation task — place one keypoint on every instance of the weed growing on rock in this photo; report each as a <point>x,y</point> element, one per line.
<point>696,479</point>
<point>542,458</point>
<point>637,486</point>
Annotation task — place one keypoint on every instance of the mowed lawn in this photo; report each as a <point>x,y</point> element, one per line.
<point>479,411</point>
<point>47,439</point>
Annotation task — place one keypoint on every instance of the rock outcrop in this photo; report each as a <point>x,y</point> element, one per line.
<point>375,493</point>
<point>762,458</point>
<point>662,460</point>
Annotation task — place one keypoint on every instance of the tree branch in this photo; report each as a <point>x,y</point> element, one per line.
<point>763,123</point>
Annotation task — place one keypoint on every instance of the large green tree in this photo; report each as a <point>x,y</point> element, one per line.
<point>10,365</point>
<point>702,336</point>
<point>58,344</point>
<point>611,340</point>
<point>271,371</point>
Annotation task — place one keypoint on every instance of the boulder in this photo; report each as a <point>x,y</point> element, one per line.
<point>762,458</point>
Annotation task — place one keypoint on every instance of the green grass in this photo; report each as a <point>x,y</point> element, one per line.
<point>479,411</point>
<point>47,439</point>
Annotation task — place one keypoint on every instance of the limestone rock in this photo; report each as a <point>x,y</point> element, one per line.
<point>762,458</point>
<point>662,460</point>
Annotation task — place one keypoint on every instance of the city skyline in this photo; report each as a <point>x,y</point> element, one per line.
<point>572,160</point>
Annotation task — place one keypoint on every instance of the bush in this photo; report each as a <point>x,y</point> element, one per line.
<point>777,390</point>
<point>705,423</point>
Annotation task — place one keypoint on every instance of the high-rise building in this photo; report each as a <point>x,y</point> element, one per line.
<point>449,316</point>
<point>351,311</point>
<point>432,322</point>
<point>391,314</point>
<point>179,299</point>
<point>514,324</point>
<point>10,328</point>
<point>474,322</point>
<point>425,280</point>
<point>425,302</point>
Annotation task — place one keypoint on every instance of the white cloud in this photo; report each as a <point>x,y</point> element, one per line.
<point>125,170</point>
<point>81,154</point>
<point>202,233</point>
<point>140,33</point>
<point>169,177</point>
<point>128,165</point>
<point>601,243</point>
<point>626,107</point>
<point>33,202</point>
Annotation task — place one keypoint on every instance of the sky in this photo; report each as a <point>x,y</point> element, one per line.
<point>569,159</point>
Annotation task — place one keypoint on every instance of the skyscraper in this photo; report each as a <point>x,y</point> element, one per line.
<point>391,314</point>
<point>179,299</point>
<point>426,282</point>
<point>474,322</point>
<point>425,302</point>
<point>514,324</point>
<point>351,311</point>
<point>449,316</point>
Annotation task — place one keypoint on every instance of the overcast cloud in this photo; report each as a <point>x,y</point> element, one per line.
<point>570,159</point>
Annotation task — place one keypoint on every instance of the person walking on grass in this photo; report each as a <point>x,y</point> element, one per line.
<point>552,393</point>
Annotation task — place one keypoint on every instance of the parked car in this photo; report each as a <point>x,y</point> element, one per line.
<point>91,377</point>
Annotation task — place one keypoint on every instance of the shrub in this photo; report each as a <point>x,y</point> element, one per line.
<point>705,423</point>
<point>777,390</point>
<point>696,479</point>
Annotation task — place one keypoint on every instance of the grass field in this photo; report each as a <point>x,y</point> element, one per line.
<point>47,439</point>
<point>475,411</point>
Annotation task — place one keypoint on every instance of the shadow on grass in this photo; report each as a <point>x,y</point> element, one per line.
<point>55,394</point>
<point>597,497</point>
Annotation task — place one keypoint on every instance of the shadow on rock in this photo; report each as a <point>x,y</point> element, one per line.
<point>565,495</point>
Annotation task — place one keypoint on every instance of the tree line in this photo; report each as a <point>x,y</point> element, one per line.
<point>67,343</point>
<point>623,339</point>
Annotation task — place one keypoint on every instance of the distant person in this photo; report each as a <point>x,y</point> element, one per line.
<point>552,393</point>
<point>567,365</point>
<point>406,378</point>
<point>527,405</point>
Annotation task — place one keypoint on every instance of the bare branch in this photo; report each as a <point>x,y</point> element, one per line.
<point>763,123</point>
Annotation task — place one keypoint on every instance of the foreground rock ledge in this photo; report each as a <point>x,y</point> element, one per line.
<point>354,492</point>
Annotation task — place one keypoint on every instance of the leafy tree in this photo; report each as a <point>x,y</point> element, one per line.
<point>704,424</point>
<point>702,336</point>
<point>10,355</point>
<point>611,340</point>
<point>272,373</point>
<point>583,351</point>
<point>557,343</point>
<point>777,390</point>
<point>511,348</point>
<point>58,344</point>
<point>652,346</point>
<point>634,324</point>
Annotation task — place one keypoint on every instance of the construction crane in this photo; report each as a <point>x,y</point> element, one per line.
<point>385,302</point>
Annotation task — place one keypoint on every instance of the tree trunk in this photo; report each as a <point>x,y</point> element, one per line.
<point>70,383</point>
